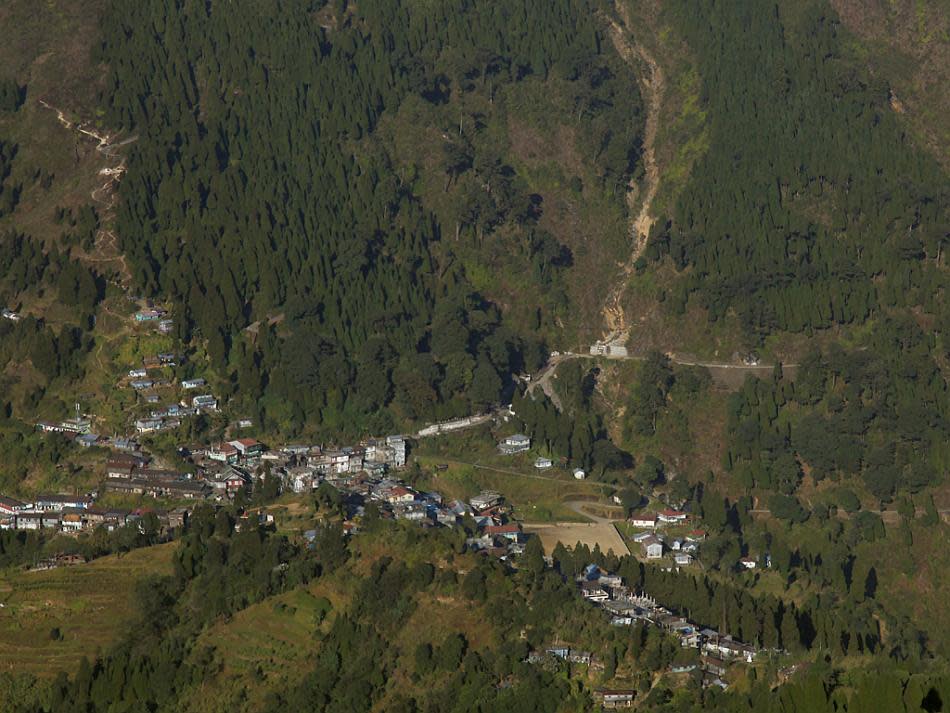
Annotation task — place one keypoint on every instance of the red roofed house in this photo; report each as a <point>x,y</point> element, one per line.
<point>696,535</point>
<point>672,516</point>
<point>224,452</point>
<point>511,531</point>
<point>9,506</point>
<point>399,494</point>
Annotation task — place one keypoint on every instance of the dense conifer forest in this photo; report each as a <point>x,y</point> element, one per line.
<point>259,186</point>
<point>812,207</point>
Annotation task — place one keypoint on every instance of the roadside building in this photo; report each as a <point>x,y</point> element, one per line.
<point>517,443</point>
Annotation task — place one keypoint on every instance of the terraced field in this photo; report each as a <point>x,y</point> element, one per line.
<point>91,605</point>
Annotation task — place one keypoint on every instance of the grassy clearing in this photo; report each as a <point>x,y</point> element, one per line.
<point>916,583</point>
<point>92,605</point>
<point>535,497</point>
<point>294,514</point>
<point>274,641</point>
<point>277,640</point>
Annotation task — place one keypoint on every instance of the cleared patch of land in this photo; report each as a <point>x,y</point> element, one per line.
<point>570,533</point>
<point>535,495</point>
<point>91,605</point>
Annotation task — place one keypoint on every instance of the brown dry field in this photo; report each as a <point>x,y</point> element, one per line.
<point>570,533</point>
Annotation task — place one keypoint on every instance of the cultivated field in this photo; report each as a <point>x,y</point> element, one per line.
<point>91,605</point>
<point>570,533</point>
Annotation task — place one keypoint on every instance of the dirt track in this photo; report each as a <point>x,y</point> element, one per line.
<point>723,373</point>
<point>104,195</point>
<point>639,197</point>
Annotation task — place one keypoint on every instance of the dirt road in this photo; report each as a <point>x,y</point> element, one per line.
<point>544,379</point>
<point>583,508</point>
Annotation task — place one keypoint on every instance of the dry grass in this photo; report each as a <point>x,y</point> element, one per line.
<point>907,44</point>
<point>47,47</point>
<point>92,605</point>
<point>436,617</point>
<point>570,533</point>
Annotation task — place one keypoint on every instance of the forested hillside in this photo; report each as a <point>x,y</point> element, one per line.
<point>350,219</point>
<point>813,206</point>
<point>259,186</point>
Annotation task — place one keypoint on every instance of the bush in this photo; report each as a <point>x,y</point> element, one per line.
<point>786,507</point>
<point>848,500</point>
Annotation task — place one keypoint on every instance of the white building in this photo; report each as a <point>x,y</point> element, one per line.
<point>518,443</point>
<point>643,520</point>
<point>205,402</point>
<point>652,547</point>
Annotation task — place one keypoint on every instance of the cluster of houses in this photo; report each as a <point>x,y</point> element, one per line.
<point>606,698</point>
<point>394,500</point>
<point>170,416</point>
<point>363,477</point>
<point>74,513</point>
<point>655,544</point>
<point>223,469</point>
<point>132,474</point>
<point>363,474</point>
<point>625,607</point>
<point>498,535</point>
